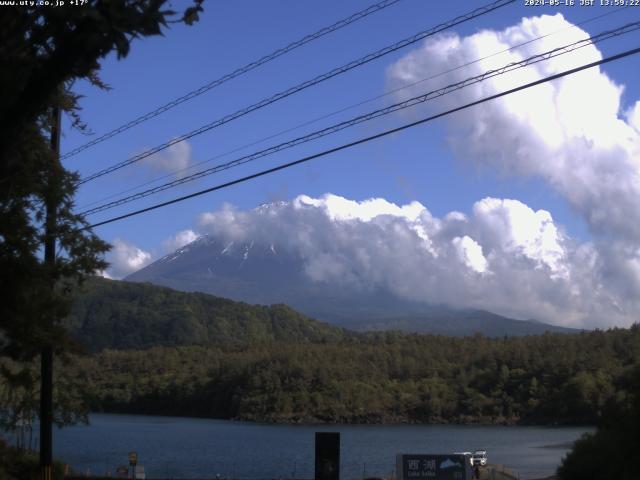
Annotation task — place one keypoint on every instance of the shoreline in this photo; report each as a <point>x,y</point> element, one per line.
<point>275,449</point>
<point>310,420</point>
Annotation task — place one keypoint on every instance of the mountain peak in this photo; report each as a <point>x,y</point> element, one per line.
<point>267,206</point>
<point>261,272</point>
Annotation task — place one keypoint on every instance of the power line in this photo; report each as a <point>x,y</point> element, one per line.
<point>372,115</point>
<point>302,86</point>
<point>236,73</point>
<point>370,138</point>
<point>350,107</point>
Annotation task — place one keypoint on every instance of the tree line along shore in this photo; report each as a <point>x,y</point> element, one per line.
<point>151,350</point>
<point>197,355</point>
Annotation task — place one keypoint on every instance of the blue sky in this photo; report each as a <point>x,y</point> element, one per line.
<point>419,164</point>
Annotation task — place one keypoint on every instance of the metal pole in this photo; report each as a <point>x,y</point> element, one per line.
<point>46,355</point>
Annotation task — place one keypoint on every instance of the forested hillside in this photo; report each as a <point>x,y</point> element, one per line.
<point>382,377</point>
<point>127,315</point>
<point>193,354</point>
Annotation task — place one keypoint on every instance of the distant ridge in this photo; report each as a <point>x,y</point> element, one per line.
<point>134,316</point>
<point>266,273</point>
<point>459,323</point>
<point>122,315</point>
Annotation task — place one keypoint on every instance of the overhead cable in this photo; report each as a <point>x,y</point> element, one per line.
<point>181,171</point>
<point>236,73</point>
<point>302,86</point>
<point>367,139</point>
<point>634,26</point>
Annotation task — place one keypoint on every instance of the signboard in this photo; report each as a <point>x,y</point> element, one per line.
<point>133,458</point>
<point>433,467</point>
<point>139,473</point>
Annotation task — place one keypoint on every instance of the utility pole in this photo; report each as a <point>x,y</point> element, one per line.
<point>46,355</point>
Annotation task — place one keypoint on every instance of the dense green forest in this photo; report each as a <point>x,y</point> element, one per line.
<point>613,450</point>
<point>129,315</point>
<point>378,377</point>
<point>157,351</point>
<point>152,350</point>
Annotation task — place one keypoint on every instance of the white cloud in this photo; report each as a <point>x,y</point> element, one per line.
<point>571,133</point>
<point>340,208</point>
<point>125,258</point>
<point>175,158</point>
<point>104,274</point>
<point>470,252</point>
<point>179,240</point>
<point>503,257</point>
<point>519,229</point>
<point>633,116</point>
<point>568,132</point>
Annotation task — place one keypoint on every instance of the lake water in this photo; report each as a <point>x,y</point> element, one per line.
<point>202,448</point>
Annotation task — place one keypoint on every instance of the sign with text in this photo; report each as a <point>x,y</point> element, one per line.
<point>433,467</point>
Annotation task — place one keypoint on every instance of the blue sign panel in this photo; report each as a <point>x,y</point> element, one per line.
<point>433,467</point>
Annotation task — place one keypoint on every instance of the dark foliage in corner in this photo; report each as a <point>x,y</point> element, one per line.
<point>43,50</point>
<point>613,451</point>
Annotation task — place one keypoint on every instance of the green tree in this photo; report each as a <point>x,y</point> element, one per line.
<point>613,451</point>
<point>43,50</point>
<point>19,392</point>
<point>18,401</point>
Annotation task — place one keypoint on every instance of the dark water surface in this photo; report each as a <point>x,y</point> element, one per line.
<point>201,448</point>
